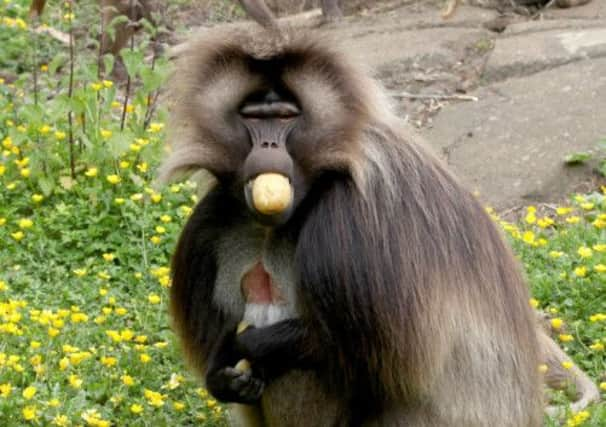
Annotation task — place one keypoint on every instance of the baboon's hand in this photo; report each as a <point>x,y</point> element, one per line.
<point>233,385</point>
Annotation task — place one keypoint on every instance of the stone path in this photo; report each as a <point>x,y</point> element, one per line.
<point>540,88</point>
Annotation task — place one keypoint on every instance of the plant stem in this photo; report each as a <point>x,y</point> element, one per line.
<point>72,161</point>
<point>128,79</point>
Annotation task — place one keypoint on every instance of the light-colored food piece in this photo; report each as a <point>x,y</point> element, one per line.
<point>243,366</point>
<point>242,326</point>
<point>271,193</point>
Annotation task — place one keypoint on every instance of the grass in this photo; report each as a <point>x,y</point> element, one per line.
<point>86,240</point>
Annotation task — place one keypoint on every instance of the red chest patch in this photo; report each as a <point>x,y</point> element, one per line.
<point>257,286</point>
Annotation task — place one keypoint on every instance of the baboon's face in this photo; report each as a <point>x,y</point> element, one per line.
<point>275,116</point>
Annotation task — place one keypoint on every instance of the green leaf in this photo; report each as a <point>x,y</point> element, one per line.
<point>46,185</point>
<point>108,63</point>
<point>119,143</point>
<point>577,158</point>
<point>133,61</point>
<point>58,61</point>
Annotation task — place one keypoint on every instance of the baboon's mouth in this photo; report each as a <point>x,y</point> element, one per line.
<point>269,217</point>
<point>258,288</point>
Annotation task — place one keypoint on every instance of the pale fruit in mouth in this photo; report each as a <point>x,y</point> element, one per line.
<point>271,193</point>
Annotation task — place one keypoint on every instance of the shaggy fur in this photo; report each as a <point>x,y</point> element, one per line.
<point>404,305</point>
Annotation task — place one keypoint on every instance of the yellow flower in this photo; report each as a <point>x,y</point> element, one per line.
<point>79,318</point>
<point>2,221</point>
<point>130,108</point>
<point>597,346</point>
<point>109,361</point>
<point>160,230</point>
<point>121,311</point>
<point>136,408</point>
<point>61,421</point>
<point>91,172</point>
<point>126,334</point>
<point>5,389</point>
<point>96,86</point>
<point>154,299</point>
<point>598,317</point>
<point>585,252</point>
<point>155,127</point>
<point>577,419</point>
<point>166,219</point>
<point>22,163</point>
<point>2,170</point>
<point>186,210</point>
<point>573,220</point>
<point>155,240</point>
<point>565,337</point>
<point>119,201</point>
<point>144,358</point>
<point>54,403</point>
<point>113,179</point>
<point>105,134</point>
<point>600,247</point>
<point>127,380</point>
<point>37,198</point>
<point>60,135</point>
<point>599,268</point>
<point>164,281</point>
<point>556,323</point>
<point>580,271</point>
<point>124,164</point>
<point>3,286</point>
<point>156,198</point>
<point>154,398</point>
<point>18,236</point>
<point>599,223</point>
<point>29,392</point>
<point>567,364</point>
<point>29,413</point>
<point>25,223</point>
<point>530,218</point>
<point>109,256</point>
<point>587,206</point>
<point>25,173</point>
<point>175,188</point>
<point>545,222</point>
<point>136,197</point>
<point>603,386</point>
<point>179,406</point>
<point>108,83</point>
<point>44,129</point>
<point>116,104</point>
<point>74,381</point>
<point>143,166</point>
<point>80,272</point>
<point>104,275</point>
<point>555,254</point>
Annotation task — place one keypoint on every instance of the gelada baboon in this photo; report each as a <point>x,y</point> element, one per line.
<point>379,291</point>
